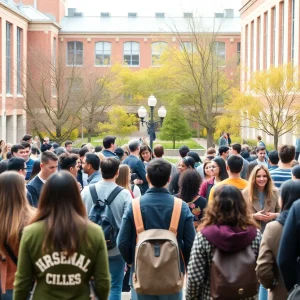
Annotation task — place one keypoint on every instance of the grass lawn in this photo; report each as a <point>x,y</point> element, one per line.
<point>97,141</point>
<point>171,159</point>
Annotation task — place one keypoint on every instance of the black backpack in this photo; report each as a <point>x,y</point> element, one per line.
<point>102,215</point>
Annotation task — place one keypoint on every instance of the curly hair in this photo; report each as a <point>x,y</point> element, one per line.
<point>189,184</point>
<point>228,208</point>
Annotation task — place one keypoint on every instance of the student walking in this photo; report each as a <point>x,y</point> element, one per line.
<point>15,213</point>
<point>226,226</point>
<point>61,249</point>
<point>156,208</point>
<point>267,269</point>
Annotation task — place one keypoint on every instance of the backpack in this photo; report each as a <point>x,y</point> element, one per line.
<point>157,256</point>
<point>232,275</point>
<point>102,215</point>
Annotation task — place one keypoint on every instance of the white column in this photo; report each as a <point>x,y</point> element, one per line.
<point>286,32</point>
<point>296,34</point>
<point>262,41</point>
<point>14,61</point>
<point>255,66</point>
<point>277,41</point>
<point>269,38</point>
<point>14,127</point>
<point>3,119</point>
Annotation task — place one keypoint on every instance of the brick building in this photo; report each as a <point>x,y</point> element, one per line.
<point>93,42</point>
<point>270,37</point>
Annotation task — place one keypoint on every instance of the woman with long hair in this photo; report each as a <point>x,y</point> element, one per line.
<point>218,168</point>
<point>262,196</point>
<point>146,154</point>
<point>207,170</point>
<point>267,269</point>
<point>185,163</point>
<point>189,183</point>
<point>15,213</point>
<point>227,226</point>
<point>124,180</point>
<point>61,248</point>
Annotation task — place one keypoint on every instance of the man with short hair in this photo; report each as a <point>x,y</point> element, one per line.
<point>17,150</point>
<point>234,167</point>
<point>68,146</point>
<point>273,160</point>
<point>183,151</point>
<point>260,143</point>
<point>82,177</point>
<point>69,162</point>
<point>18,164</point>
<point>29,161</point>
<point>27,138</point>
<point>136,165</point>
<point>91,166</point>
<point>236,150</point>
<point>211,153</point>
<point>156,209</point>
<point>224,152</point>
<point>261,159</point>
<point>223,140</point>
<point>296,172</point>
<point>49,164</point>
<point>159,152</point>
<point>283,173</point>
<point>110,172</point>
<point>109,144</point>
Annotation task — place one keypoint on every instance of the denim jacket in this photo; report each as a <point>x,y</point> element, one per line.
<point>156,207</point>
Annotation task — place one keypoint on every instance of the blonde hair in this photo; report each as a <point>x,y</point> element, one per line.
<point>124,177</point>
<point>5,151</point>
<point>101,156</point>
<point>252,187</point>
<point>15,211</point>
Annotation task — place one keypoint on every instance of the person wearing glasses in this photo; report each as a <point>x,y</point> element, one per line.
<point>219,173</point>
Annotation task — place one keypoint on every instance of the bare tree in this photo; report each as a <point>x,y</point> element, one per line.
<point>198,73</point>
<point>53,94</point>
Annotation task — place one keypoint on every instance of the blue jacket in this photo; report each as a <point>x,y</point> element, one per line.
<point>156,207</point>
<point>298,145</point>
<point>289,249</point>
<point>137,166</point>
<point>94,178</point>
<point>34,187</point>
<point>108,153</point>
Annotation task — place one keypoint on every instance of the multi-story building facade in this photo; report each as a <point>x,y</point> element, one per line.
<point>269,37</point>
<point>88,42</point>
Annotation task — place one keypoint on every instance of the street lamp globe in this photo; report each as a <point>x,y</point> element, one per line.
<point>152,101</point>
<point>142,112</point>
<point>162,112</point>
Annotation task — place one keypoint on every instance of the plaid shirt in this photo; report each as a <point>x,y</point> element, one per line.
<point>198,280</point>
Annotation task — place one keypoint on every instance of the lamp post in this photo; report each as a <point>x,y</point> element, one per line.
<point>151,124</point>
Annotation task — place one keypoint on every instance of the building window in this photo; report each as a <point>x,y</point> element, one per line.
<point>274,35</point>
<point>238,52</point>
<point>8,58</point>
<point>258,43</point>
<point>157,49</point>
<point>282,31</point>
<point>293,32</point>
<point>75,54</point>
<point>102,53</point>
<point>266,42</point>
<point>132,53</point>
<point>252,47</point>
<point>19,53</point>
<point>220,50</point>
<point>186,47</point>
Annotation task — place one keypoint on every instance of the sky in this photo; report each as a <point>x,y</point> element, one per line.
<point>149,7</point>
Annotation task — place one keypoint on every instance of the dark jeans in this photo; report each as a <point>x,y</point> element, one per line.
<point>7,296</point>
<point>116,268</point>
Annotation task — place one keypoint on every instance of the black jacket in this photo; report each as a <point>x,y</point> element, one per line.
<point>34,187</point>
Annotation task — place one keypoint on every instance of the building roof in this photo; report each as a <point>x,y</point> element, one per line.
<point>123,25</point>
<point>33,14</point>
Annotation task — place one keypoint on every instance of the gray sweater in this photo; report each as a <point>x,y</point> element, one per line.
<point>118,206</point>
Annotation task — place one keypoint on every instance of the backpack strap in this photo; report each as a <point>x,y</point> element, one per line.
<point>175,215</point>
<point>113,195</point>
<point>93,193</point>
<point>11,253</point>
<point>137,215</point>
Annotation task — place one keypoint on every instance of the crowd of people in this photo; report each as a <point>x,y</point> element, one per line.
<point>89,222</point>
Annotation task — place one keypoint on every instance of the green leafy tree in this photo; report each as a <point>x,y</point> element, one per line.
<point>121,124</point>
<point>175,126</point>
